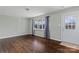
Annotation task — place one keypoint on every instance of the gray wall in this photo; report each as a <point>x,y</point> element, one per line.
<point>70,35</point>
<point>57,30</point>
<point>12,26</point>
<point>54,25</point>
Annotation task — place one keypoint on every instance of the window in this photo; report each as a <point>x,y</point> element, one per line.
<point>39,24</point>
<point>70,22</point>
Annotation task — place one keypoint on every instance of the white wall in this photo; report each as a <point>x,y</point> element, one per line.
<point>12,26</point>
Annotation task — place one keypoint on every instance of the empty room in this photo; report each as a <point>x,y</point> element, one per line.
<point>39,29</point>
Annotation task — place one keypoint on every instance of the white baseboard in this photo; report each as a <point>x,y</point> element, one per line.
<point>11,36</point>
<point>55,39</point>
<point>71,45</point>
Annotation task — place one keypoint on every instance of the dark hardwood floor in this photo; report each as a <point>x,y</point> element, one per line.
<point>32,44</point>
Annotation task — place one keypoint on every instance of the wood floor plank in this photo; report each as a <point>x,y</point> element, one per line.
<point>33,44</point>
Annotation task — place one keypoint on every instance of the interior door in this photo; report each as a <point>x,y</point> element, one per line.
<point>70,35</point>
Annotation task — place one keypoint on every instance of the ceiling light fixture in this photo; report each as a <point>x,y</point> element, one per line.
<point>27,9</point>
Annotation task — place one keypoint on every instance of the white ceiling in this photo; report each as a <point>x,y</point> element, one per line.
<point>20,11</point>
